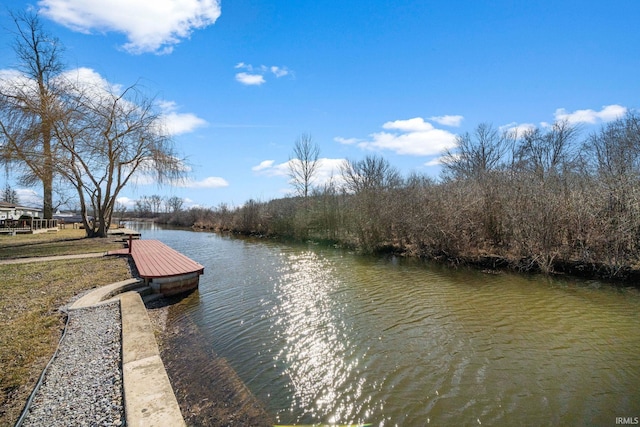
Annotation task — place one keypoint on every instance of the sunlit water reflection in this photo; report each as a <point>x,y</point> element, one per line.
<point>321,335</point>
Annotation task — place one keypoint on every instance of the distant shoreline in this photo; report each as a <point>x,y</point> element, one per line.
<point>628,276</point>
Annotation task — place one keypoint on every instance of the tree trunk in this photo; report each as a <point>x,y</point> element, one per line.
<point>103,225</point>
<point>47,189</point>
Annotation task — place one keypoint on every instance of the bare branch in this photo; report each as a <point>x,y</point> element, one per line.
<point>304,164</point>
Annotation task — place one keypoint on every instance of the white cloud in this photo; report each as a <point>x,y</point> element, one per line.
<point>14,82</point>
<point>256,75</point>
<point>606,114</point>
<point>517,129</point>
<point>328,169</point>
<point>437,161</point>
<point>91,81</point>
<point>250,79</point>
<point>127,202</point>
<point>269,168</point>
<point>413,137</point>
<point>10,75</point>
<point>279,71</point>
<point>346,141</point>
<point>447,120</point>
<point>81,79</point>
<point>150,26</point>
<point>588,116</point>
<point>145,174</point>
<point>417,124</point>
<point>425,143</point>
<point>265,164</point>
<point>192,204</point>
<point>179,123</point>
<point>209,182</point>
<point>85,81</point>
<point>88,78</point>
<point>182,123</point>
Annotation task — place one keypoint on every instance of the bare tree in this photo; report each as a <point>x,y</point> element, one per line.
<point>108,138</point>
<point>368,183</point>
<point>371,173</point>
<point>303,165</point>
<point>28,107</point>
<point>174,204</point>
<point>615,153</point>
<point>474,163</point>
<point>478,154</point>
<point>143,206</point>
<point>156,203</point>
<point>119,210</point>
<point>9,195</point>
<point>549,153</point>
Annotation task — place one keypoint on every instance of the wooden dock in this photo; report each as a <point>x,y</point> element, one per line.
<point>166,270</point>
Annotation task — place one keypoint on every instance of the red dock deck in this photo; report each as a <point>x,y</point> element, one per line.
<point>155,260</point>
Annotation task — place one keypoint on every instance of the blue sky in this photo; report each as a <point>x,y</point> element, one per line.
<point>239,81</point>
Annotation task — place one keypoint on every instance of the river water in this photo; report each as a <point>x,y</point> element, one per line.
<point>321,335</point>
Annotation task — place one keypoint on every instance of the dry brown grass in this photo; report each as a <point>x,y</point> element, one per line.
<point>64,242</point>
<point>30,323</point>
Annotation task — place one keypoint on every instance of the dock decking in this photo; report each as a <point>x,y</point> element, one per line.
<point>166,270</point>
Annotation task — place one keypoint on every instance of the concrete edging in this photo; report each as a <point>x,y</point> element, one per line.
<point>106,294</point>
<point>148,397</point>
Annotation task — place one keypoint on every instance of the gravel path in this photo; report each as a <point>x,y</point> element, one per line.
<point>83,385</point>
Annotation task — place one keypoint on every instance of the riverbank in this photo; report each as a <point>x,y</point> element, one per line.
<point>33,318</point>
<point>212,397</point>
<point>627,275</point>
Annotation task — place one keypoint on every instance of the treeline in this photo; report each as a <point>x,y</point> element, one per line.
<point>542,200</point>
<point>152,206</point>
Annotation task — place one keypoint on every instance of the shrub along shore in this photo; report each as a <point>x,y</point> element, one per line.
<point>542,202</point>
<point>453,235</point>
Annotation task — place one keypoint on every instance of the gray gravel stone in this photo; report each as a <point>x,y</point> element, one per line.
<point>83,385</point>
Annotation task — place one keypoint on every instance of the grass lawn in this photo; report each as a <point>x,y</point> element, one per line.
<point>64,242</point>
<point>30,295</point>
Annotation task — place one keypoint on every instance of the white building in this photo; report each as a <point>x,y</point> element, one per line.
<point>22,219</point>
<point>11,211</point>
